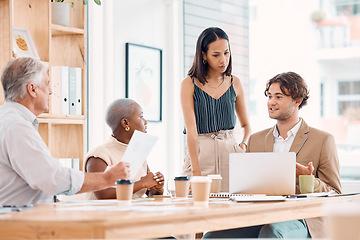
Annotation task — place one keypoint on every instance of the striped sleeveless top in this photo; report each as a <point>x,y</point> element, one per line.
<point>213,115</point>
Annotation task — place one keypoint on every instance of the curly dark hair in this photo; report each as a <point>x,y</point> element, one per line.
<point>291,84</point>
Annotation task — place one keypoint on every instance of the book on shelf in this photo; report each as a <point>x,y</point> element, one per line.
<point>59,102</point>
<point>66,85</point>
<point>75,91</point>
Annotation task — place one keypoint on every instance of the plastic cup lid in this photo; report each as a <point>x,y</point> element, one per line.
<point>200,179</point>
<point>182,178</point>
<point>215,176</point>
<point>123,181</point>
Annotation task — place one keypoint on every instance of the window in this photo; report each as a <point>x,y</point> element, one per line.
<point>349,112</point>
<point>349,98</point>
<point>349,87</point>
<point>347,7</point>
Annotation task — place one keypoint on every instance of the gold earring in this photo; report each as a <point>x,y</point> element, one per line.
<point>204,61</point>
<point>127,128</point>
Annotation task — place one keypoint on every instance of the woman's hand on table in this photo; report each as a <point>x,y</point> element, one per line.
<point>159,178</point>
<point>148,181</point>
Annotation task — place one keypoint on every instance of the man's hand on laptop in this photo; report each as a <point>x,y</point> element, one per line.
<point>304,170</point>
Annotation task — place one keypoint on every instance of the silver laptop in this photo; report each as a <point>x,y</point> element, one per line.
<point>270,173</point>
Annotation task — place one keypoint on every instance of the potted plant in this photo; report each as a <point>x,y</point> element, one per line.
<point>60,11</point>
<point>318,15</point>
<point>98,2</point>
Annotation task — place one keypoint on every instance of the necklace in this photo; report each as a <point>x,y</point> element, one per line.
<point>223,80</point>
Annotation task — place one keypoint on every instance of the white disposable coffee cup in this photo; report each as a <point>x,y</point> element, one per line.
<point>124,190</point>
<point>182,184</point>
<point>215,183</point>
<point>200,186</point>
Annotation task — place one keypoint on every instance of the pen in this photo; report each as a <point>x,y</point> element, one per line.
<point>309,195</point>
<point>296,196</point>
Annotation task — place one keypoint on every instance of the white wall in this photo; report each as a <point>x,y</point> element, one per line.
<point>155,23</point>
<point>283,39</point>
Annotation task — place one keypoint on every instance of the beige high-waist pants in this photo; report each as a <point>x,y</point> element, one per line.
<point>213,155</point>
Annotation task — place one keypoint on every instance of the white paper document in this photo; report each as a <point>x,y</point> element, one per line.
<point>258,198</point>
<point>86,202</point>
<point>97,208</point>
<point>139,147</point>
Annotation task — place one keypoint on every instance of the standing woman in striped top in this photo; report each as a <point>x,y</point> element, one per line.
<point>210,96</point>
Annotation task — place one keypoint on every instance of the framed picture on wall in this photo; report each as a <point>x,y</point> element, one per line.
<point>23,46</point>
<point>144,79</point>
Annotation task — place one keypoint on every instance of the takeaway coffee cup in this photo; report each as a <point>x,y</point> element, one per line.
<point>200,186</point>
<point>215,183</point>
<point>124,190</point>
<point>306,183</point>
<point>344,220</point>
<point>182,184</point>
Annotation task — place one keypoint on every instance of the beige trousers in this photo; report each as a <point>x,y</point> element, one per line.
<point>213,155</point>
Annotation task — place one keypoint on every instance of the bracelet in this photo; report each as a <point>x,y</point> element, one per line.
<point>243,143</point>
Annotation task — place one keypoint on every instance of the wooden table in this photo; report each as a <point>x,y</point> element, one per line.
<point>58,222</point>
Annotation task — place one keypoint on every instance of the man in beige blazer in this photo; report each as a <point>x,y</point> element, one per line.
<point>315,154</point>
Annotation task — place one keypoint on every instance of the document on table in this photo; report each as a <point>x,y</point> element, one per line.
<point>5,210</point>
<point>137,151</point>
<point>126,208</point>
<point>258,198</point>
<point>86,202</point>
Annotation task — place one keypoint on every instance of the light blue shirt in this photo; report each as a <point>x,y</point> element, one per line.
<point>29,174</point>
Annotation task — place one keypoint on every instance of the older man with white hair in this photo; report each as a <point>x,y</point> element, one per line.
<point>29,174</point>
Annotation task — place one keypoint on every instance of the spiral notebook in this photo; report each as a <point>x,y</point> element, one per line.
<point>229,195</point>
<point>236,197</point>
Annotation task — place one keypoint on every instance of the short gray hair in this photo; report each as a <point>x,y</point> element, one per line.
<point>18,73</point>
<point>117,110</point>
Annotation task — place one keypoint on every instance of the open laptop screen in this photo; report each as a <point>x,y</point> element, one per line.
<point>270,173</point>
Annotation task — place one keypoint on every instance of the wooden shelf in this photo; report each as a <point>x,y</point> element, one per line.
<point>61,119</point>
<point>58,30</point>
<point>57,45</point>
